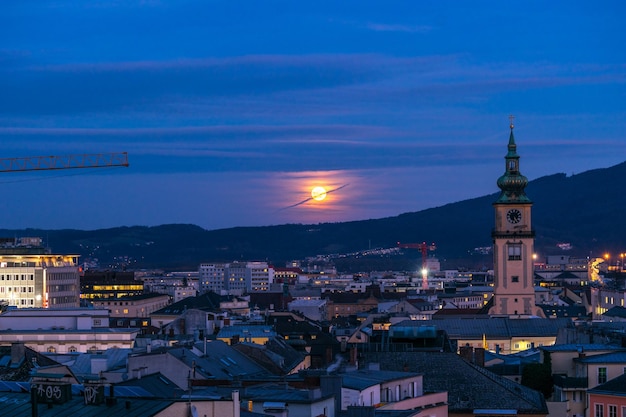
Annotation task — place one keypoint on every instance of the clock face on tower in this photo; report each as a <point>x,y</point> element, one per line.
<point>514,216</point>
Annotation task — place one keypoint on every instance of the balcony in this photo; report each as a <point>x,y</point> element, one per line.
<point>568,382</point>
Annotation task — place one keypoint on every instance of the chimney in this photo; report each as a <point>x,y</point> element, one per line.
<point>236,404</point>
<point>479,357</point>
<point>18,352</point>
<point>466,352</point>
<point>353,355</point>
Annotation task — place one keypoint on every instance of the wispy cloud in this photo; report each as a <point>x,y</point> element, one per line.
<point>385,27</point>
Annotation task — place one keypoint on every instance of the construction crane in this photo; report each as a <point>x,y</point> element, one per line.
<point>44,163</point>
<point>424,248</point>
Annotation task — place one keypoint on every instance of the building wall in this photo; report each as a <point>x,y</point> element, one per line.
<point>370,396</point>
<point>602,300</point>
<point>592,370</point>
<point>212,277</point>
<point>324,407</point>
<point>514,292</point>
<point>49,319</point>
<point>435,405</point>
<point>62,341</point>
<point>606,402</point>
<point>129,307</point>
<point>62,287</point>
<point>347,309</point>
<point>401,389</point>
<point>206,408</point>
<point>32,281</point>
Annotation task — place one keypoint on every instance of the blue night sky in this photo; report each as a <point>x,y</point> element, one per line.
<point>231,112</point>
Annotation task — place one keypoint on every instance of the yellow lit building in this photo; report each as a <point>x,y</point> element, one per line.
<point>31,276</point>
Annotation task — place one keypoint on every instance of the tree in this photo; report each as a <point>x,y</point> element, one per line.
<point>538,376</point>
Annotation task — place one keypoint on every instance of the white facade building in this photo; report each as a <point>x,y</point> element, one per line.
<point>63,330</point>
<point>30,276</point>
<point>235,277</point>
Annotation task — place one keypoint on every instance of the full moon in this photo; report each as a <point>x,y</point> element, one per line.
<point>318,193</point>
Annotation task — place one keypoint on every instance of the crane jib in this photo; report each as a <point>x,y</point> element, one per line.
<point>40,163</point>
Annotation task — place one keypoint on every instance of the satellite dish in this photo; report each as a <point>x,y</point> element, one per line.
<point>125,376</point>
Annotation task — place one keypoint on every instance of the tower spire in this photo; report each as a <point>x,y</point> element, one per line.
<point>512,182</point>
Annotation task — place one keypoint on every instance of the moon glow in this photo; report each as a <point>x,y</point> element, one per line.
<point>318,193</point>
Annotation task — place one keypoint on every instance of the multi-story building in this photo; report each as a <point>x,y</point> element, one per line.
<point>608,399</point>
<point>235,277</point>
<point>603,299</point>
<point>286,274</point>
<point>32,276</point>
<point>261,276</point>
<point>177,285</point>
<point>137,306</point>
<point>212,277</point>
<point>109,284</point>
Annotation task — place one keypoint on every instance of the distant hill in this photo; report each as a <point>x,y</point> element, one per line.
<point>586,210</point>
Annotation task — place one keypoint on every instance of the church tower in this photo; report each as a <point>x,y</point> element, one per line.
<point>513,241</point>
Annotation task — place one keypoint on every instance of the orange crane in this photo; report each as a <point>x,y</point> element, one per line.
<point>44,163</point>
<point>424,248</point>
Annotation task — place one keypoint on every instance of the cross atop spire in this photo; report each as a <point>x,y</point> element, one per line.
<point>511,117</point>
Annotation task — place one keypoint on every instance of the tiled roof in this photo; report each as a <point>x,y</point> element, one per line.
<point>220,362</point>
<point>616,311</point>
<point>469,386</point>
<point>21,371</point>
<point>578,347</point>
<point>566,275</point>
<point>209,301</point>
<point>273,392</point>
<point>611,357</point>
<point>276,355</point>
<point>616,386</point>
<point>476,327</point>
<point>243,330</point>
<point>18,404</point>
<point>563,311</point>
<point>156,384</point>
<point>115,358</point>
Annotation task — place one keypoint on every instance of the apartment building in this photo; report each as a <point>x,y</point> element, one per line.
<point>236,277</point>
